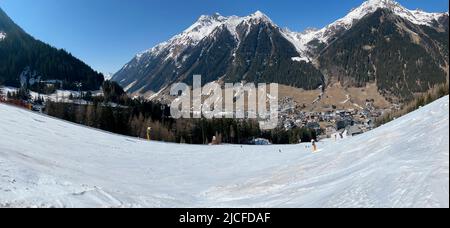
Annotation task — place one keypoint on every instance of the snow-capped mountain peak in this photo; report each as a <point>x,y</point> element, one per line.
<point>419,17</point>
<point>204,27</point>
<point>258,15</point>
<point>369,7</point>
<point>206,24</point>
<point>380,4</point>
<point>415,16</point>
<point>108,76</point>
<point>213,17</point>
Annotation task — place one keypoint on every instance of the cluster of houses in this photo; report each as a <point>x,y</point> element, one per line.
<point>332,123</point>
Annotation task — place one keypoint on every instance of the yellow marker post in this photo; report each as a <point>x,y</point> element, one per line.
<point>149,129</point>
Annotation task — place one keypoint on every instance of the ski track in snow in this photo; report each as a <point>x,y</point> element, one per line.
<point>46,162</point>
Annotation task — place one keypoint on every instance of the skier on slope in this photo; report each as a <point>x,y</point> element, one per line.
<point>314,146</point>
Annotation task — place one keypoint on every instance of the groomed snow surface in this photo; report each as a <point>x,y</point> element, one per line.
<point>46,162</point>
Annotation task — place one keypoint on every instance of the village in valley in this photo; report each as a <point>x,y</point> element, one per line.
<point>332,122</point>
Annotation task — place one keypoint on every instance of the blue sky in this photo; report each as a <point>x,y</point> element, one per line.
<point>106,34</point>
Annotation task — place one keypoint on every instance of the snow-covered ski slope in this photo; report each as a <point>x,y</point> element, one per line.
<point>50,163</point>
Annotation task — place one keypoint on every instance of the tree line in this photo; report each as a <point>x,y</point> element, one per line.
<point>133,120</point>
<point>438,91</point>
<point>115,112</point>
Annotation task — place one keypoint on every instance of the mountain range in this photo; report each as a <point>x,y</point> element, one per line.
<point>401,51</point>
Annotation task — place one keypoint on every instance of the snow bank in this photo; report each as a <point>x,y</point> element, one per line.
<point>300,59</point>
<point>46,162</point>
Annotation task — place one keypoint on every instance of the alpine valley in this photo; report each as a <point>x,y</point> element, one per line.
<point>379,51</point>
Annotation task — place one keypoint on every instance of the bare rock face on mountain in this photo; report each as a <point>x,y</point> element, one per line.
<point>402,51</point>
